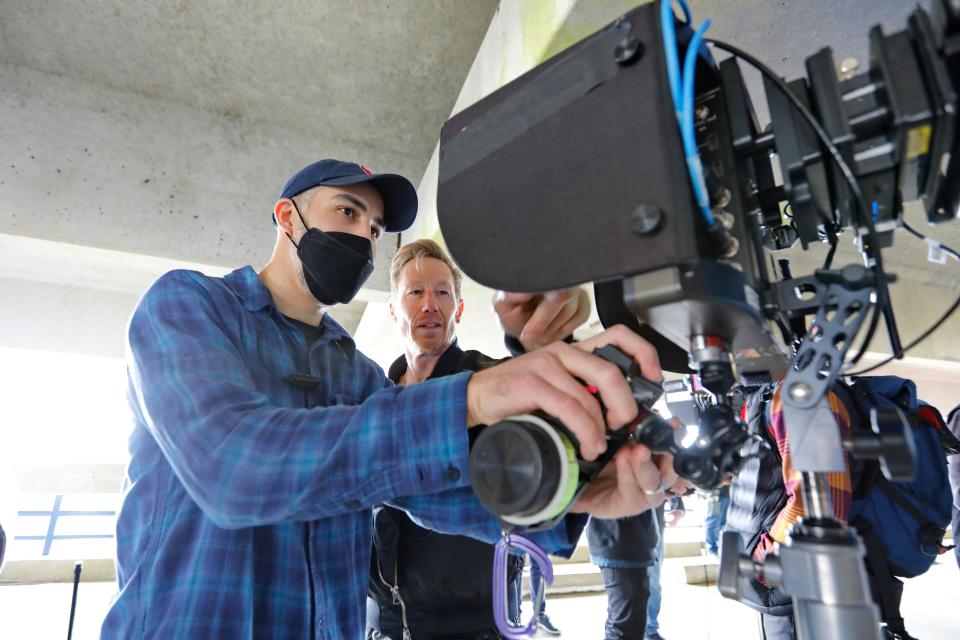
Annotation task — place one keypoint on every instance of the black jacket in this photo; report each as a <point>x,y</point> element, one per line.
<point>444,581</point>
<point>626,542</point>
<point>757,496</point>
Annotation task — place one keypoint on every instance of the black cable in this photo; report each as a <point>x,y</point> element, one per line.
<point>829,260</point>
<point>915,342</point>
<point>880,280</point>
<point>916,233</point>
<point>926,333</point>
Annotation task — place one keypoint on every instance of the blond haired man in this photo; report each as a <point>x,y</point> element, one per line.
<point>425,584</point>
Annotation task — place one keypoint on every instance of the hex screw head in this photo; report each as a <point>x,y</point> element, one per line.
<point>628,51</point>
<point>646,219</point>
<point>800,391</point>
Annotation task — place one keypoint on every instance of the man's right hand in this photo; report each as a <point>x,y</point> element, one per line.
<point>674,517</point>
<point>537,319</point>
<point>546,379</point>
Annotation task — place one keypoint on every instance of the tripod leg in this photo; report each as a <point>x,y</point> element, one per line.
<point>77,568</point>
<point>822,568</point>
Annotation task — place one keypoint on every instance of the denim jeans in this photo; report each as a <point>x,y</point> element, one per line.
<point>714,522</point>
<point>653,603</point>
<point>955,526</point>
<point>535,585</point>
<point>777,627</point>
<point>514,594</point>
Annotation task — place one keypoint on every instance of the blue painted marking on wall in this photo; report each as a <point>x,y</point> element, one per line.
<point>74,536</point>
<point>52,526</point>
<point>55,514</point>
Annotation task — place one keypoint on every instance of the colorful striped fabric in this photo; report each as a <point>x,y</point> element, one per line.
<point>840,485</point>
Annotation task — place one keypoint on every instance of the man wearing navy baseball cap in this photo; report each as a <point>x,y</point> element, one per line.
<point>262,437</point>
<point>353,207</point>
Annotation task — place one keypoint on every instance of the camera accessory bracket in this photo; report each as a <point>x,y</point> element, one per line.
<point>811,429</point>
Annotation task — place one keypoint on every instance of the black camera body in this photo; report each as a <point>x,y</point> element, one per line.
<point>574,172</point>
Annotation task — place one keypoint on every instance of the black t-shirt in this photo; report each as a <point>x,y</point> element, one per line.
<point>310,332</point>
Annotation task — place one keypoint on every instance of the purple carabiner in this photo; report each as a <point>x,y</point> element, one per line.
<point>500,613</point>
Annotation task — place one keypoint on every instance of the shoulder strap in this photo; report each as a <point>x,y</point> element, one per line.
<point>886,587</point>
<point>863,473</point>
<point>854,402</point>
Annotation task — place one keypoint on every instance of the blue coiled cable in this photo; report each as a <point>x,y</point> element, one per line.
<point>681,89</point>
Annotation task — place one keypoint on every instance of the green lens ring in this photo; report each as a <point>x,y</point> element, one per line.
<point>569,474</point>
<point>574,479</point>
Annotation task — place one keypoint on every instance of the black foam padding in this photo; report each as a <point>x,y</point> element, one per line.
<point>551,207</point>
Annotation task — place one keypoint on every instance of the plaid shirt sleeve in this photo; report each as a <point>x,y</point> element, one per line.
<point>841,491</point>
<point>246,461</point>
<point>461,513</point>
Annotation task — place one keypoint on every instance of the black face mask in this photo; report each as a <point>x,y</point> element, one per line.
<point>335,264</point>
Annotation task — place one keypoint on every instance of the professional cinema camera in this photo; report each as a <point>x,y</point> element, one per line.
<point>633,160</point>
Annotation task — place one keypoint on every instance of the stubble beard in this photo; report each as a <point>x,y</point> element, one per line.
<point>432,347</point>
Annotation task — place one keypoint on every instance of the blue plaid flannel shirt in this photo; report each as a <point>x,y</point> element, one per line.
<point>247,507</point>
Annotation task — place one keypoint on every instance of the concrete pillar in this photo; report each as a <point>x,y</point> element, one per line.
<point>522,34</point>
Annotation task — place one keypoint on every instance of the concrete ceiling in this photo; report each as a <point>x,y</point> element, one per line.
<point>168,128</point>
<point>783,34</point>
<point>325,68</point>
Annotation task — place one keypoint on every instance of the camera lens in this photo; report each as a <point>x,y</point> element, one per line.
<point>511,465</point>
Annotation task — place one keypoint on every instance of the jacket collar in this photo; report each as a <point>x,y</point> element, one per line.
<point>446,365</point>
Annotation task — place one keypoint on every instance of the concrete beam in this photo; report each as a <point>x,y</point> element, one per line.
<point>93,166</point>
<point>69,478</point>
<point>518,38</point>
<point>76,299</point>
<point>47,571</point>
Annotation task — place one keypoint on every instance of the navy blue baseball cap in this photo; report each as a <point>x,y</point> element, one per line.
<point>399,196</point>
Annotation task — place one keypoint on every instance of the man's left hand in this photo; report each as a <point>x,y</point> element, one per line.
<point>537,319</point>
